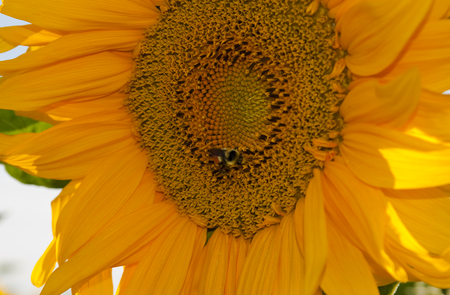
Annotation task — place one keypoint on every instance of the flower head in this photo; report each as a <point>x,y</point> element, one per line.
<point>307,138</point>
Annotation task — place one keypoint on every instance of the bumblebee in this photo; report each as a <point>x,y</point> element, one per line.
<point>226,157</point>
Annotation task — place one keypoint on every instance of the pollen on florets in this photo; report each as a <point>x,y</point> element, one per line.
<point>259,78</point>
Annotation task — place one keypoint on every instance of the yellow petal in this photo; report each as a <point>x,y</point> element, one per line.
<point>440,10</point>
<point>143,195</point>
<point>100,284</point>
<point>9,141</point>
<point>128,271</point>
<point>387,158</point>
<point>237,255</point>
<point>412,256</point>
<point>70,150</point>
<point>100,197</point>
<point>164,268</point>
<point>61,200</point>
<point>357,210</point>
<point>315,235</point>
<point>28,35</point>
<point>38,116</point>
<point>195,261</point>
<point>82,15</point>
<point>261,266</point>
<point>77,108</point>
<point>429,53</point>
<point>431,118</point>
<point>347,270</point>
<point>45,266</point>
<point>73,46</point>
<point>375,32</point>
<point>197,273</point>
<point>338,8</point>
<point>415,208</point>
<point>116,242</point>
<point>299,224</point>
<point>291,276</point>
<point>97,74</point>
<point>243,248</point>
<point>390,104</point>
<point>215,268</point>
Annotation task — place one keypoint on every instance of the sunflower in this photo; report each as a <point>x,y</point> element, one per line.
<point>236,147</point>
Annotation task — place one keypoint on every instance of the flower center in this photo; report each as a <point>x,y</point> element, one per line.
<point>236,103</point>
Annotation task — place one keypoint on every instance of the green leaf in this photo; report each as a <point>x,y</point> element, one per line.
<point>388,289</point>
<point>10,124</point>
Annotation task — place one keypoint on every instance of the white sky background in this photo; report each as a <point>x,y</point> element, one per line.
<point>25,224</point>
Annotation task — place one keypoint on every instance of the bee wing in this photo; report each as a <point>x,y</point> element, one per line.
<point>217,152</point>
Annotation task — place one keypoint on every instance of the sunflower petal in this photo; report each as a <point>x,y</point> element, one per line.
<point>7,142</point>
<point>357,210</point>
<point>429,53</point>
<point>387,158</point>
<point>341,276</point>
<point>315,233</point>
<point>195,261</point>
<point>102,194</point>
<point>214,271</point>
<point>238,253</point>
<point>115,242</point>
<point>375,32</point>
<point>69,151</point>
<point>45,266</point>
<point>291,264</point>
<point>390,104</point>
<point>164,268</point>
<point>414,208</point>
<point>440,10</point>
<point>82,15</point>
<point>100,284</point>
<point>28,35</point>
<point>73,46</point>
<point>128,271</point>
<point>412,256</point>
<point>260,269</point>
<point>97,74</point>
<point>76,108</point>
<point>431,118</point>
<point>197,273</point>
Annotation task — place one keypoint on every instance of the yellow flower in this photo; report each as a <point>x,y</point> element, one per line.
<point>309,138</point>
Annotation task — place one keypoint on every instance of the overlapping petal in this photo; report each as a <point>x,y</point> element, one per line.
<point>72,46</point>
<point>388,158</point>
<point>261,266</point>
<point>315,235</point>
<point>375,32</point>
<point>102,194</point>
<point>27,35</point>
<point>117,241</point>
<point>391,104</point>
<point>358,212</point>
<point>414,208</point>
<point>83,15</point>
<point>70,150</point>
<point>347,271</point>
<point>93,75</point>
<point>164,268</point>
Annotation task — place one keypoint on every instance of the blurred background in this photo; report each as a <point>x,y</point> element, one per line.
<point>25,226</point>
